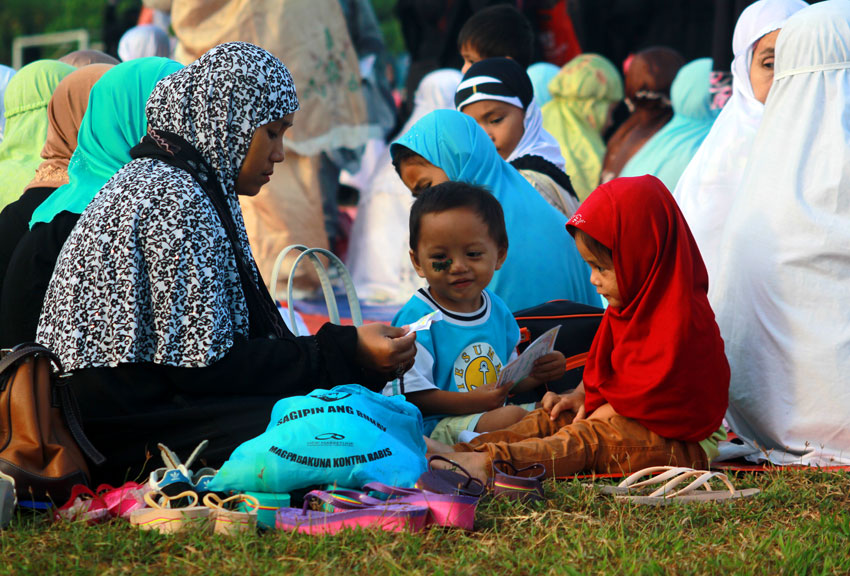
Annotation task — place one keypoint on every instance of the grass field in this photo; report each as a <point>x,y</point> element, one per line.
<point>799,524</point>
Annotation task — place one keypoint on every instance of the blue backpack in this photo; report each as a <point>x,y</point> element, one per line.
<point>347,436</point>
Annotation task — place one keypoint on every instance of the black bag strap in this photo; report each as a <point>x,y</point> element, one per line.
<point>67,400</point>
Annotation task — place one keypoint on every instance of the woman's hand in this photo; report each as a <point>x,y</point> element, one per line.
<point>573,401</point>
<point>385,349</point>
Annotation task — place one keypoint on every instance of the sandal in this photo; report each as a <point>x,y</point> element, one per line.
<point>388,517</point>
<point>449,510</point>
<point>162,518</point>
<point>443,481</point>
<point>694,480</point>
<point>228,521</point>
<point>631,485</point>
<point>83,505</point>
<point>122,501</point>
<point>523,484</point>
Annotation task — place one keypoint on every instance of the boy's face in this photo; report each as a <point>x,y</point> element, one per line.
<point>457,256</point>
<point>502,122</point>
<point>419,174</point>
<point>470,56</point>
<point>602,275</point>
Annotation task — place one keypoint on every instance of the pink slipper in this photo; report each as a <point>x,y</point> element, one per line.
<point>83,505</point>
<point>451,510</point>
<point>122,501</point>
<point>388,517</point>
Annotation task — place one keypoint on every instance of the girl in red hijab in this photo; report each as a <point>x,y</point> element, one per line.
<point>656,382</point>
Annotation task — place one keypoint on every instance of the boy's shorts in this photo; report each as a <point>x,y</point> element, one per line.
<point>448,429</point>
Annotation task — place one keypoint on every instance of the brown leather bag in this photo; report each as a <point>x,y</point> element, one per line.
<point>41,438</point>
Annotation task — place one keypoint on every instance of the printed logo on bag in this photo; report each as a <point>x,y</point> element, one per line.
<point>330,436</point>
<point>476,366</point>
<point>332,396</point>
<point>330,439</point>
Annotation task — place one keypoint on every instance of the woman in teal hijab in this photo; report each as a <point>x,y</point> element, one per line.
<point>668,152</point>
<point>25,102</point>
<point>114,122</point>
<point>542,263</point>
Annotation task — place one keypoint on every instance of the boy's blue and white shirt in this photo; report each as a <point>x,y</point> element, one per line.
<point>460,352</point>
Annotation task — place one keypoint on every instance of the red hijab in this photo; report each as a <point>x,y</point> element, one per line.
<point>659,358</point>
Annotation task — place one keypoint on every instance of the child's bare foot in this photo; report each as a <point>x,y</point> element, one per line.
<point>436,447</point>
<point>476,463</point>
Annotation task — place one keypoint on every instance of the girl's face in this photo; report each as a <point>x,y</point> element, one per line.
<point>265,151</point>
<point>419,174</point>
<point>761,68</point>
<point>602,275</point>
<point>502,122</point>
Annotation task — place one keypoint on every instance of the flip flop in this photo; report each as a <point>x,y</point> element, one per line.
<point>697,488</point>
<point>123,500</point>
<point>448,510</point>
<point>522,484</point>
<point>229,521</point>
<point>631,485</point>
<point>443,481</point>
<point>388,517</point>
<point>162,518</point>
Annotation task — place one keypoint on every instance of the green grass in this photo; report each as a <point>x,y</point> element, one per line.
<point>799,524</point>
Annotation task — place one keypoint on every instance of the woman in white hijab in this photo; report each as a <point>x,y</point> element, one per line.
<point>142,41</point>
<point>378,253</point>
<point>709,184</point>
<point>781,293</point>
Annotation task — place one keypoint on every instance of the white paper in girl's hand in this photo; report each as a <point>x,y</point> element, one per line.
<point>425,322</point>
<point>521,366</point>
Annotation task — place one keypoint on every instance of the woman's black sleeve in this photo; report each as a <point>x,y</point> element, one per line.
<point>288,366</point>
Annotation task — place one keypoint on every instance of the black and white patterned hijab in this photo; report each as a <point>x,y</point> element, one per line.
<point>148,274</point>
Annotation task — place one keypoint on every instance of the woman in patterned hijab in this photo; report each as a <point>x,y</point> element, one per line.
<point>156,304</point>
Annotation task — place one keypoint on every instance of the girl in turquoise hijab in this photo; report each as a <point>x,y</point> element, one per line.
<point>542,263</point>
<point>668,152</point>
<point>25,101</point>
<point>114,122</point>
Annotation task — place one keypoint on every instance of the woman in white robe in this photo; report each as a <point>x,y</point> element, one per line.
<point>709,184</point>
<point>378,255</point>
<point>782,293</point>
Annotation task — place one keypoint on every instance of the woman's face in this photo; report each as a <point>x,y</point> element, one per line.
<point>761,68</point>
<point>418,174</point>
<point>265,151</point>
<point>502,122</point>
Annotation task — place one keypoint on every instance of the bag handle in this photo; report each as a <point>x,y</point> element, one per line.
<point>324,279</point>
<point>25,350</point>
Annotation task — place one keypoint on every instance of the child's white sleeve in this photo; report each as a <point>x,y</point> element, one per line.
<point>418,378</point>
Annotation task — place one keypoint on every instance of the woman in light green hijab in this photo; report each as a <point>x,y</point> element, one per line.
<point>25,101</point>
<point>583,94</point>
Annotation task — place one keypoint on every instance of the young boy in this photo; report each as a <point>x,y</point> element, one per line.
<point>457,241</point>
<point>497,31</point>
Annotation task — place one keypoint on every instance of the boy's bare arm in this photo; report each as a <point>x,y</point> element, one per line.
<point>481,399</point>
